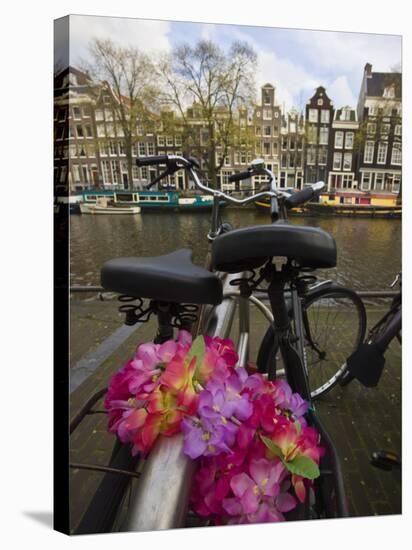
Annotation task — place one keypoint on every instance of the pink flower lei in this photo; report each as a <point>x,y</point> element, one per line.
<point>257,456</point>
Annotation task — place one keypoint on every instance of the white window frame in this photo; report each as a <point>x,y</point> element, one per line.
<point>348,179</point>
<point>339,140</point>
<point>337,161</point>
<point>322,151</point>
<point>369,152</point>
<point>396,182</point>
<point>398,130</point>
<point>347,162</point>
<point>371,128</point>
<point>142,149</point>
<point>349,137</point>
<point>396,157</point>
<point>161,141</point>
<point>313,115</point>
<point>267,114</point>
<point>382,152</point>
<point>370,176</point>
<point>322,132</point>
<point>325,116</point>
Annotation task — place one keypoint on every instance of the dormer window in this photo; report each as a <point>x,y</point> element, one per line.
<point>389,92</point>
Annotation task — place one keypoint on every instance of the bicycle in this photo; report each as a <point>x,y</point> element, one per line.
<point>203,300</point>
<point>367,362</point>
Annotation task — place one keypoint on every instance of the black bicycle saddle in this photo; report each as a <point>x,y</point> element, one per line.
<point>168,278</point>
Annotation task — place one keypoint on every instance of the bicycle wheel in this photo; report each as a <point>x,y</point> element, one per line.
<point>334,323</point>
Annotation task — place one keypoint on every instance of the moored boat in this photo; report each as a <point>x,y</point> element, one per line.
<point>351,210</point>
<point>105,206</point>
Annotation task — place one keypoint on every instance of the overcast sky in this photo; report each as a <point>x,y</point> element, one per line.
<point>294,61</point>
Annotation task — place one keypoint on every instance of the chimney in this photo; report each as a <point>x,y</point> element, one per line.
<point>368,69</point>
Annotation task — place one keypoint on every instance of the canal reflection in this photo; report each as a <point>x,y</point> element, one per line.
<point>369,251</point>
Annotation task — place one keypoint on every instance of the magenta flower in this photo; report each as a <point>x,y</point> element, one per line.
<point>203,438</point>
<point>250,490</point>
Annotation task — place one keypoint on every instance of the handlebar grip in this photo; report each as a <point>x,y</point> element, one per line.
<point>300,197</point>
<point>147,161</point>
<point>240,176</point>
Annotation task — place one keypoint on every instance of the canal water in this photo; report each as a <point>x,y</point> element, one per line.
<point>369,250</point>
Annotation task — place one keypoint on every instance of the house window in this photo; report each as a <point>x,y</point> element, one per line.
<point>103,150</point>
<point>266,148</point>
<point>98,114</point>
<point>119,129</point>
<point>122,150</point>
<point>107,178</point>
<point>113,148</point>
<point>266,97</point>
<point>347,181</point>
<point>323,155</point>
<point>169,141</point>
<point>300,144</point>
<point>313,115</point>
<point>320,102</point>
<point>347,161</point>
<point>337,161</point>
<point>338,140</point>
<point>349,140</point>
<point>150,149</point>
<point>87,112</point>
<point>371,127</point>
<point>267,114</point>
<point>258,130</point>
<point>366,181</point>
<point>227,161</point>
<point>284,161</point>
<point>144,172</point>
<point>275,147</point>
<point>79,130</point>
<point>268,130</point>
<point>385,129</point>
<point>100,130</point>
<point>115,171</point>
<point>135,172</point>
<point>89,132</point>
<point>382,151</point>
<point>311,155</point>
<point>106,99</point>
<point>396,183</point>
<point>292,144</point>
<point>284,143</point>
<point>142,149</point>
<point>91,151</point>
<point>398,130</point>
<point>292,127</point>
<point>161,141</point>
<point>323,136</point>
<point>324,116</point>
<point>72,151</point>
<point>379,177</point>
<point>243,157</point>
<point>108,114</point>
<point>291,161</point>
<point>77,113</point>
<point>178,141</point>
<point>312,134</point>
<point>76,173</point>
<point>237,157</point>
<point>369,150</point>
<point>396,154</point>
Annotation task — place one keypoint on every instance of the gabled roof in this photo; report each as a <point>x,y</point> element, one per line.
<point>377,82</point>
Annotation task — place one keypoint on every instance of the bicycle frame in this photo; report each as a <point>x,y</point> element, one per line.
<point>162,498</point>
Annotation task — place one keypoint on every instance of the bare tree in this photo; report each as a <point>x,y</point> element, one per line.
<point>209,88</point>
<point>128,76</point>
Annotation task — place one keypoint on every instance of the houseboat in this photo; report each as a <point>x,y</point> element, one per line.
<point>105,205</point>
<point>150,200</point>
<point>368,205</point>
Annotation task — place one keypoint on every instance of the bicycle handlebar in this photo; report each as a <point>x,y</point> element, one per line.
<point>240,176</point>
<point>304,195</point>
<point>148,161</point>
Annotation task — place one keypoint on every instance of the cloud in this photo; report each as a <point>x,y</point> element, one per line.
<point>340,92</point>
<point>148,35</point>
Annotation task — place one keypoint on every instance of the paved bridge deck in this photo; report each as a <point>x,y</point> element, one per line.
<point>360,420</point>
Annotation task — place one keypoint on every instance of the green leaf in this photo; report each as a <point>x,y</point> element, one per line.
<point>272,447</point>
<point>197,350</point>
<point>303,466</point>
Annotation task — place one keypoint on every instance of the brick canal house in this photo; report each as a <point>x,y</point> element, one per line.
<point>319,117</point>
<point>292,150</point>
<point>380,137</point>
<point>342,184</point>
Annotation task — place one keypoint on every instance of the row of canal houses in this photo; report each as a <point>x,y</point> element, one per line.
<point>357,152</point>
